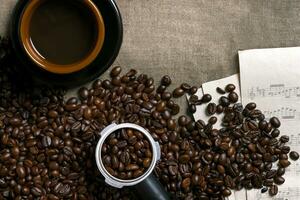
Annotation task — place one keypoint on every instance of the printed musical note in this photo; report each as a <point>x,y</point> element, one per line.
<point>285,113</point>
<point>274,91</point>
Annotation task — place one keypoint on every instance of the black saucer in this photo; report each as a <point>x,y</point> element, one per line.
<point>112,44</point>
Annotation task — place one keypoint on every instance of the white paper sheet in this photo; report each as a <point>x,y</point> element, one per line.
<point>271,78</point>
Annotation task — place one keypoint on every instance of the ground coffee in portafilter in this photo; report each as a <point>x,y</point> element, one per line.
<point>126,154</point>
<point>47,144</point>
<point>63,32</point>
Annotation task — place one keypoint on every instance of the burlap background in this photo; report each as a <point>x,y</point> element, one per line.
<point>197,40</point>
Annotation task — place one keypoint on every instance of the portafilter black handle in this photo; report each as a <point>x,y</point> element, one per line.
<point>150,189</point>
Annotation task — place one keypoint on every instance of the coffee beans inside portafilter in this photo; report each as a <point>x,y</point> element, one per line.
<point>48,143</point>
<point>126,154</point>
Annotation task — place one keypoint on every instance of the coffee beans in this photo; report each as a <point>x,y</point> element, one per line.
<point>115,71</point>
<point>48,143</point>
<point>273,190</point>
<point>178,92</point>
<point>224,101</point>
<point>211,108</point>
<point>294,155</point>
<point>275,122</point>
<point>192,108</point>
<point>206,98</point>
<point>233,97</point>
<point>229,88</point>
<point>220,90</point>
<point>166,80</point>
<point>260,152</point>
<point>127,154</point>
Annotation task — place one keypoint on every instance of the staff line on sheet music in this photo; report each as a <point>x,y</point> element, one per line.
<point>284,113</point>
<point>275,91</point>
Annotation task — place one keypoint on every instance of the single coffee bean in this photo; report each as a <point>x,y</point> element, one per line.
<point>285,149</point>
<point>106,84</point>
<point>275,133</point>
<point>206,98</point>
<point>284,139</point>
<point>147,162</point>
<point>53,165</point>
<point>15,151</point>
<point>280,171</point>
<point>229,88</point>
<point>284,163</point>
<point>273,190</point>
<point>275,122</point>
<point>36,191</point>
<point>192,108</point>
<point>182,120</point>
<point>220,90</point>
<point>193,98</point>
<point>224,101</point>
<point>279,180</point>
<point>83,93</point>
<point>166,96</point>
<point>53,114</point>
<point>251,106</point>
<point>193,90</point>
<point>166,80</point>
<point>185,86</point>
<point>97,84</point>
<point>21,172</point>
<point>211,108</point>
<point>294,155</point>
<point>226,192</point>
<point>220,109</point>
<point>221,169</point>
<point>233,97</point>
<point>186,183</point>
<point>15,121</point>
<point>212,120</point>
<point>175,109</point>
<point>184,158</point>
<point>264,190</point>
<point>115,71</point>
<point>271,173</point>
<point>178,92</point>
<point>132,167</point>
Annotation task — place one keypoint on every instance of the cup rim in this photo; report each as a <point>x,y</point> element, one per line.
<point>34,55</point>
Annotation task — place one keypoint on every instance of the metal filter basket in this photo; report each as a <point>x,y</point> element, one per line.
<point>146,186</point>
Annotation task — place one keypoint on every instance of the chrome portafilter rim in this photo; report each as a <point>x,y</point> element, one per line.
<point>114,181</point>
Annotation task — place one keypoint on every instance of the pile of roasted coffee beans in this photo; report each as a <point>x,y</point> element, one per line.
<point>247,152</point>
<point>126,154</point>
<point>47,144</point>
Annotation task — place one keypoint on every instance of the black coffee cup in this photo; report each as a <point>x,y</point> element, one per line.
<point>106,54</point>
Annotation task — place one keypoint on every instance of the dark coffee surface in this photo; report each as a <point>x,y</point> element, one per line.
<point>63,32</point>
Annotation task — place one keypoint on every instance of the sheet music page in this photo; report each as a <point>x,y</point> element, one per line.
<point>271,78</point>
